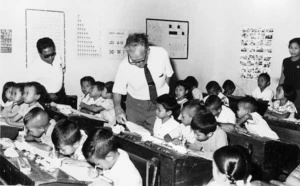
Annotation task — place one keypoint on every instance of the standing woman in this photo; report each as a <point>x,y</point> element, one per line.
<point>290,73</point>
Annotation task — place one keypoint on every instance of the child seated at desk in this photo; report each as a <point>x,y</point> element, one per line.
<point>100,149</point>
<point>209,136</point>
<point>68,140</point>
<point>7,95</point>
<point>263,92</point>
<point>166,110</point>
<point>230,89</point>
<point>283,107</point>
<point>38,129</point>
<point>224,115</point>
<point>17,100</point>
<point>213,88</point>
<point>94,104</point>
<point>253,122</point>
<point>86,85</point>
<point>182,93</point>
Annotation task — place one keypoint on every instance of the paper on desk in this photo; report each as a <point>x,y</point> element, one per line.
<point>135,128</point>
<point>79,173</point>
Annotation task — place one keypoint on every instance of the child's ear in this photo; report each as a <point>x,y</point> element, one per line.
<point>110,156</point>
<point>76,145</point>
<point>169,112</point>
<point>210,134</point>
<point>38,96</point>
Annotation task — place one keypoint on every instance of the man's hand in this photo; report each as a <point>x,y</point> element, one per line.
<point>120,115</point>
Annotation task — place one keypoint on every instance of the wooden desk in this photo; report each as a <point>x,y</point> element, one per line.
<point>8,132</point>
<point>174,169</point>
<point>9,171</point>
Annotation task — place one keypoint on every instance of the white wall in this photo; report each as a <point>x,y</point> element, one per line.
<point>215,28</point>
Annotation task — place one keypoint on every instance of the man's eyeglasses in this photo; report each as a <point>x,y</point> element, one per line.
<point>49,55</point>
<point>136,62</point>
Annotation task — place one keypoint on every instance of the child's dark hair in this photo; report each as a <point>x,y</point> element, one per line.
<point>65,132</point>
<point>44,43</point>
<point>191,82</point>
<point>295,40</point>
<point>40,90</point>
<point>214,101</point>
<point>233,161</point>
<point>33,113</point>
<point>228,84</point>
<point>100,85</point>
<point>182,83</point>
<point>204,122</point>
<point>170,104</point>
<point>266,76</point>
<point>89,79</point>
<point>109,86</point>
<point>289,91</point>
<point>195,106</point>
<point>6,86</point>
<point>250,103</point>
<point>99,144</point>
<point>213,85</point>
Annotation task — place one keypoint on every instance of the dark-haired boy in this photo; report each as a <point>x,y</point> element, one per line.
<point>94,104</point>
<point>263,92</point>
<point>86,84</point>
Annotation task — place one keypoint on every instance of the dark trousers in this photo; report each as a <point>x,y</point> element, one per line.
<point>58,97</point>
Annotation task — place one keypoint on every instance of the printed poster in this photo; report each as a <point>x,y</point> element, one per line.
<point>6,40</point>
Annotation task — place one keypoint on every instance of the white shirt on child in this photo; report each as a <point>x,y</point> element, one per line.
<point>181,102</point>
<point>161,129</point>
<point>238,92</point>
<point>183,132</point>
<point>109,113</point>
<point>226,116</point>
<point>260,127</point>
<point>78,155</point>
<point>197,94</point>
<point>123,172</point>
<point>6,104</point>
<point>287,107</point>
<point>10,110</point>
<point>25,108</point>
<point>97,102</point>
<point>83,98</point>
<point>223,98</point>
<point>46,137</point>
<point>265,95</point>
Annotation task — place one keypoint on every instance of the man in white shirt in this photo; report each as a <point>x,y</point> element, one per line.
<point>131,80</point>
<point>48,70</point>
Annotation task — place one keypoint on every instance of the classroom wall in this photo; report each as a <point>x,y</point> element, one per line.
<point>214,44</point>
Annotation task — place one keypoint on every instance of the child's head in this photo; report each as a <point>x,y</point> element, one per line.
<point>107,91</point>
<point>204,125</point>
<point>230,164</point>
<point>213,88</point>
<point>97,89</point>
<point>166,105</point>
<point>101,149</point>
<point>17,93</point>
<point>66,137</point>
<point>7,91</point>
<point>181,90</point>
<point>34,92</point>
<point>294,47</point>
<point>263,80</point>
<point>213,104</point>
<point>228,87</point>
<point>188,111</point>
<point>245,106</point>
<point>191,82</point>
<point>36,121</point>
<point>86,84</point>
<point>285,91</point>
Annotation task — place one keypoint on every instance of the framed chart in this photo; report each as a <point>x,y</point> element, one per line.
<point>172,35</point>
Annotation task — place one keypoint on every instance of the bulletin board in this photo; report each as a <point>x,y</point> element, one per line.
<point>172,35</point>
<point>44,23</point>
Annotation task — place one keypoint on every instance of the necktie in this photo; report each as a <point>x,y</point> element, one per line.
<point>151,85</point>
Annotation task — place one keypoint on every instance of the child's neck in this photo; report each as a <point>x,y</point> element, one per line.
<point>282,101</point>
<point>165,119</point>
<point>96,97</point>
<point>180,99</point>
<point>262,89</point>
<point>32,103</point>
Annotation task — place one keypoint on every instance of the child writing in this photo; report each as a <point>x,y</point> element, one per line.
<point>94,104</point>
<point>224,115</point>
<point>101,149</point>
<point>253,122</point>
<point>213,88</point>
<point>39,129</point>
<point>231,167</point>
<point>33,93</point>
<point>230,89</point>
<point>192,85</point>
<point>108,113</point>
<point>86,84</point>
<point>17,99</point>
<point>263,92</point>
<point>209,137</point>
<point>7,94</point>
<point>68,140</point>
<point>166,110</point>
<point>181,92</point>
<point>183,133</point>
<point>283,107</point>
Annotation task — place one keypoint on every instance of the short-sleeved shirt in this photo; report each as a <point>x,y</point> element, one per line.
<point>10,110</point>
<point>78,155</point>
<point>124,172</point>
<point>265,95</point>
<point>97,102</point>
<point>109,113</point>
<point>131,79</point>
<point>197,94</point>
<point>161,129</point>
<point>287,107</point>
<point>25,108</point>
<point>83,98</point>
<point>258,126</point>
<point>183,132</point>
<point>46,137</point>
<point>226,116</point>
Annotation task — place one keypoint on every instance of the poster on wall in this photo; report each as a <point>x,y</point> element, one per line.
<point>171,35</point>
<point>6,40</point>
<point>256,51</point>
